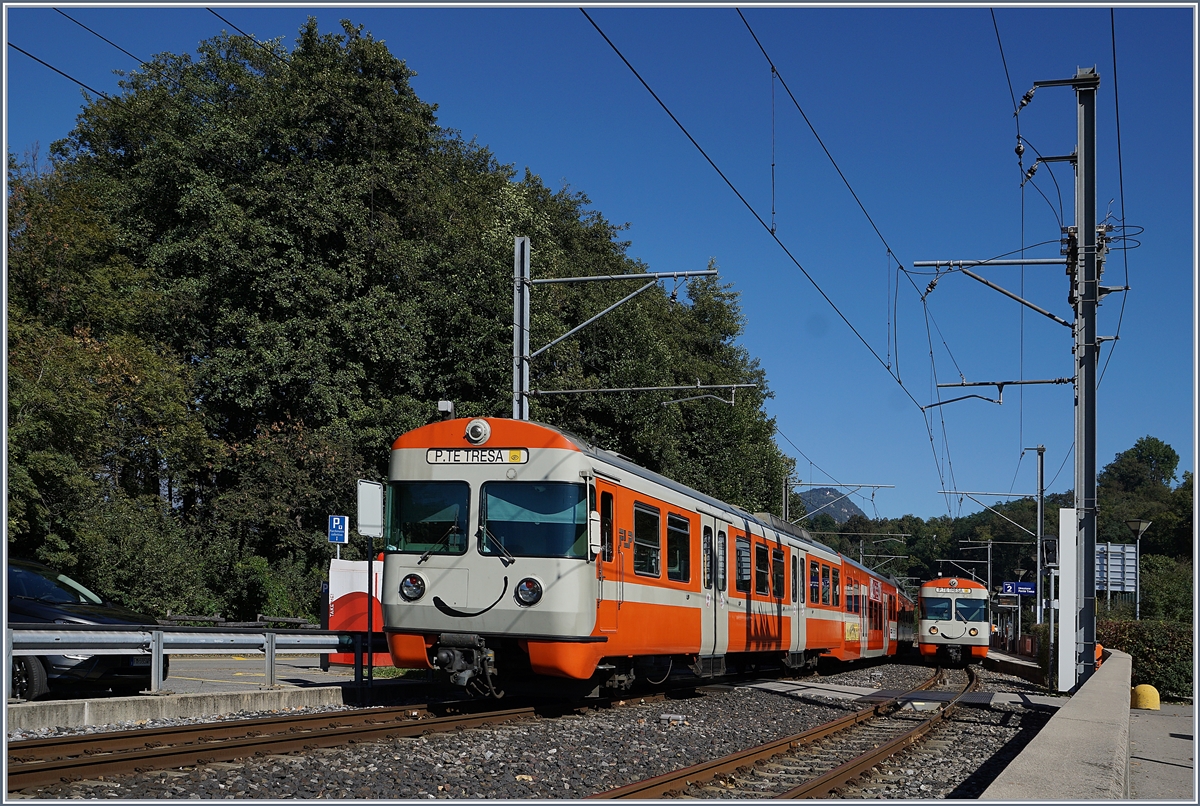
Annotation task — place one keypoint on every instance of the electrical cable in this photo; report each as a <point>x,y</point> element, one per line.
<point>60,72</point>
<point>248,36</point>
<point>89,30</point>
<point>750,207</point>
<point>1058,216</point>
<point>814,132</point>
<point>775,237</point>
<point>1004,62</point>
<point>812,464</point>
<point>1121,186</point>
<point>1064,464</point>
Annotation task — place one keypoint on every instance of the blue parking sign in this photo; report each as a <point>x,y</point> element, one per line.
<point>339,529</point>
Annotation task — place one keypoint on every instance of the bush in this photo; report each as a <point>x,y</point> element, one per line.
<point>1161,652</point>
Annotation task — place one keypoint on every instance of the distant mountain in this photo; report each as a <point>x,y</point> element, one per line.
<point>840,512</point>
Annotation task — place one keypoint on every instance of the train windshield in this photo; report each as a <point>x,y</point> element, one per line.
<point>970,609</point>
<point>935,607</point>
<point>428,517</point>
<point>534,519</point>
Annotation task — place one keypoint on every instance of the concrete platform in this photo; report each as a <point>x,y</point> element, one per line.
<point>1015,665</point>
<point>1162,753</point>
<point>1083,751</point>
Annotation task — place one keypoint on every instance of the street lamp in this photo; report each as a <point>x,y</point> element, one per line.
<point>1138,527</point>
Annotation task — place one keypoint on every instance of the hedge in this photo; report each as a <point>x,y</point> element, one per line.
<point>1161,651</point>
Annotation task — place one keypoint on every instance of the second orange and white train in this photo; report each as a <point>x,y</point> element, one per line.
<point>517,552</point>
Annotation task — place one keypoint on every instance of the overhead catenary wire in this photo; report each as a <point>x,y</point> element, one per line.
<point>60,72</point>
<point>748,206</point>
<point>774,236</point>
<point>820,142</point>
<point>248,36</point>
<point>813,464</point>
<point>1021,309</point>
<point>101,36</point>
<point>1121,188</point>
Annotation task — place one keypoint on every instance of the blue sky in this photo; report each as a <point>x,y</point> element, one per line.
<point>914,106</point>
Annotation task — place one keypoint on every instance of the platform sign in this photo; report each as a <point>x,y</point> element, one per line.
<point>339,529</point>
<point>1018,589</point>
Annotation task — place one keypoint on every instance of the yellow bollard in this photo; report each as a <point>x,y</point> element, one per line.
<point>1144,698</point>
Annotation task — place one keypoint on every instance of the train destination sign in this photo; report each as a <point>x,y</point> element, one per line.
<point>477,456</point>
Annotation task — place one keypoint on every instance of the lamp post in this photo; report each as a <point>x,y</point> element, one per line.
<point>1138,527</point>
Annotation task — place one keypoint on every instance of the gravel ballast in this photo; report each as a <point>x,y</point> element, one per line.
<point>566,757</point>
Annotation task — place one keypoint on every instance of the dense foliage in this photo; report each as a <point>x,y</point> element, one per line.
<point>240,279</point>
<point>1161,651</point>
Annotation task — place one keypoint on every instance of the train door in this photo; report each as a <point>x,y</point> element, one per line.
<point>797,600</point>
<point>609,568</point>
<point>887,621</point>
<point>714,633</point>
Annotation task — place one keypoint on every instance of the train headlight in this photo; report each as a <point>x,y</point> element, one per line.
<point>973,631</point>
<point>478,431</point>
<point>933,630</point>
<point>412,587</point>
<point>528,592</point>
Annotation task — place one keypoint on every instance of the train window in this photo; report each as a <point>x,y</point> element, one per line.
<point>534,519</point>
<point>837,589</point>
<point>935,607</point>
<point>970,609</point>
<point>428,517</point>
<point>606,526</point>
<point>795,577</point>
<point>849,594</point>
<point>706,565</point>
<point>741,581</point>
<point>824,584</point>
<point>647,542</point>
<point>777,573</point>
<point>679,548</point>
<point>721,561</point>
<point>762,570</point>
<point>814,582</point>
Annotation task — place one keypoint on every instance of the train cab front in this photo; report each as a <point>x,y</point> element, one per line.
<point>489,556</point>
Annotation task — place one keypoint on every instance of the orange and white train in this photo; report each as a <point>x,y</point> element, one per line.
<point>953,620</point>
<point>517,552</point>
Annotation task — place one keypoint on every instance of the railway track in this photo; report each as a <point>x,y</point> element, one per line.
<point>807,765</point>
<point>40,762</point>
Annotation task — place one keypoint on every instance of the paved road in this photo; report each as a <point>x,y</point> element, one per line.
<point>248,673</point>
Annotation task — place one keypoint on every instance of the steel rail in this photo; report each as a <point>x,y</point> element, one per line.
<point>663,785</point>
<point>839,776</point>
<point>137,751</point>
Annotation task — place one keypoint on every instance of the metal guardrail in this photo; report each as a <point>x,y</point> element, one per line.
<point>158,640</point>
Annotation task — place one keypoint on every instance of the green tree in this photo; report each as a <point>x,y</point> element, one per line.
<point>1137,485</point>
<point>304,261</point>
<point>1166,589</point>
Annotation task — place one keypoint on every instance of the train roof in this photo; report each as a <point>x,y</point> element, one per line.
<point>444,431</point>
<point>953,582</point>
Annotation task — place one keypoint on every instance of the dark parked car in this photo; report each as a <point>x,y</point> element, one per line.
<point>37,594</point>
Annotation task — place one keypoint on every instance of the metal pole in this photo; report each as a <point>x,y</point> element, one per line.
<point>521,358</point>
<point>1041,506</point>
<point>370,613</point>
<point>1053,618</point>
<point>1137,577</point>
<point>1108,576</point>
<point>1086,297</point>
